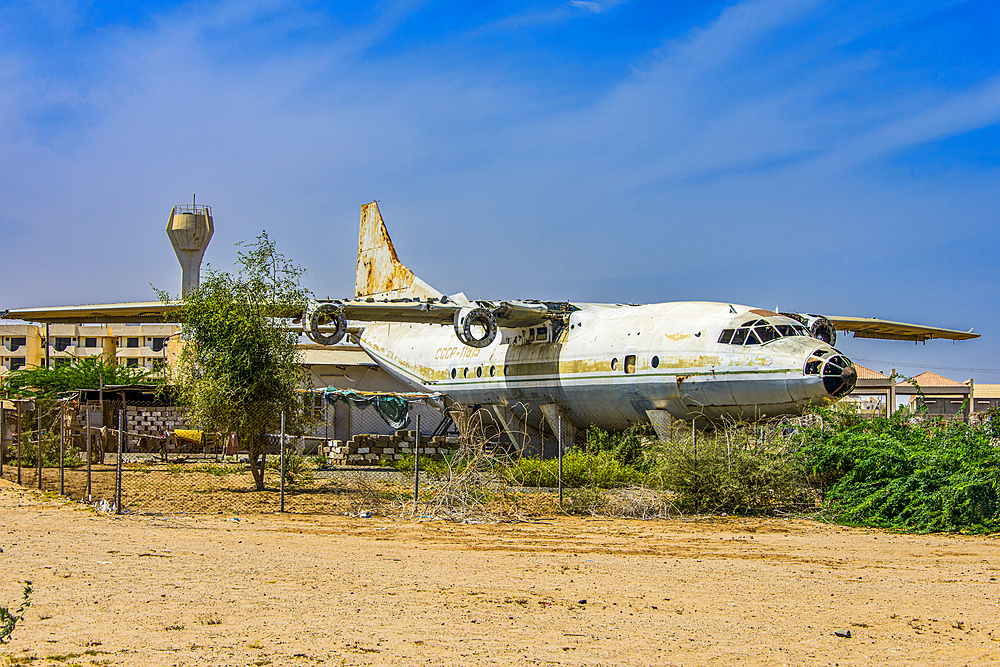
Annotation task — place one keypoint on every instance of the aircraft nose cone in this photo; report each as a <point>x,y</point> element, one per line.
<point>839,377</point>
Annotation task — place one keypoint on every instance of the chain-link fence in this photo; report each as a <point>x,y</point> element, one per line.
<point>344,458</point>
<point>144,457</point>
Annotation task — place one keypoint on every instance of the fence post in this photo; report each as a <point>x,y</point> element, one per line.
<point>38,441</point>
<point>86,410</point>
<point>697,489</point>
<point>560,444</point>
<point>62,450</point>
<point>281,465</point>
<point>416,465</point>
<point>118,463</point>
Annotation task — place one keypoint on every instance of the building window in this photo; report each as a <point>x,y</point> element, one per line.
<point>16,362</point>
<point>17,342</point>
<point>157,345</point>
<point>61,361</point>
<point>90,342</point>
<point>132,361</point>
<point>62,344</point>
<point>131,342</point>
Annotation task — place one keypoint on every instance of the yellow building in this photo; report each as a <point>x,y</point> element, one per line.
<point>23,345</point>
<point>143,344</point>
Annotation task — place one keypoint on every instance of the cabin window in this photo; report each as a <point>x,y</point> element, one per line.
<point>614,364</point>
<point>454,373</point>
<point>630,363</point>
<point>654,362</point>
<point>767,333</point>
<point>757,332</point>
<point>531,335</point>
<point>465,372</point>
<point>543,334</point>
<point>479,372</point>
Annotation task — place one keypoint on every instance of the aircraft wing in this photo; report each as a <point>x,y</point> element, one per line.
<point>135,312</point>
<point>871,327</point>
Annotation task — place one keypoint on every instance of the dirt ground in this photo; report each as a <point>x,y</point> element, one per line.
<point>304,589</point>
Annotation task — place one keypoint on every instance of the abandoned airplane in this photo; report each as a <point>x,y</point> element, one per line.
<point>610,365</point>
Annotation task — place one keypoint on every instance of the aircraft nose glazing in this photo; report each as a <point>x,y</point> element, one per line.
<point>837,371</point>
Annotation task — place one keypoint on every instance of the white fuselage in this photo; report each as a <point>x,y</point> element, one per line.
<point>611,363</point>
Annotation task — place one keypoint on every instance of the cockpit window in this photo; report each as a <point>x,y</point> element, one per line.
<point>759,332</point>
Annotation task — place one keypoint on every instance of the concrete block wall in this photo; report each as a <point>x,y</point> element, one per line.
<point>366,450</point>
<point>158,421</point>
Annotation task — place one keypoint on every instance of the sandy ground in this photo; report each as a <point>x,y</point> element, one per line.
<point>306,589</point>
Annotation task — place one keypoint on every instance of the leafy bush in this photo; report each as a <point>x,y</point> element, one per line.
<point>80,373</point>
<point>50,452</point>
<point>433,467</point>
<point>741,469</point>
<point>8,620</point>
<point>902,474</point>
<point>628,448</point>
<point>602,470</point>
<point>297,469</point>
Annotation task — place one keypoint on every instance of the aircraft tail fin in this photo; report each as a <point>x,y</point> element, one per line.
<point>380,274</point>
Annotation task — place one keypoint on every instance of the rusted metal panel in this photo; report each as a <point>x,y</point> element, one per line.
<point>380,274</point>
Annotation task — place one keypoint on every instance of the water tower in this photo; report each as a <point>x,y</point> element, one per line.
<point>190,229</point>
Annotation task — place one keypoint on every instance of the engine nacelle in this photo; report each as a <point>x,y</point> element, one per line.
<point>819,327</point>
<point>476,327</point>
<point>322,315</point>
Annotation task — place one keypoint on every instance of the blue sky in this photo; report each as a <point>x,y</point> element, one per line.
<point>832,157</point>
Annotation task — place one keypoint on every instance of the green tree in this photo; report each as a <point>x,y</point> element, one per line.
<point>80,373</point>
<point>238,369</point>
